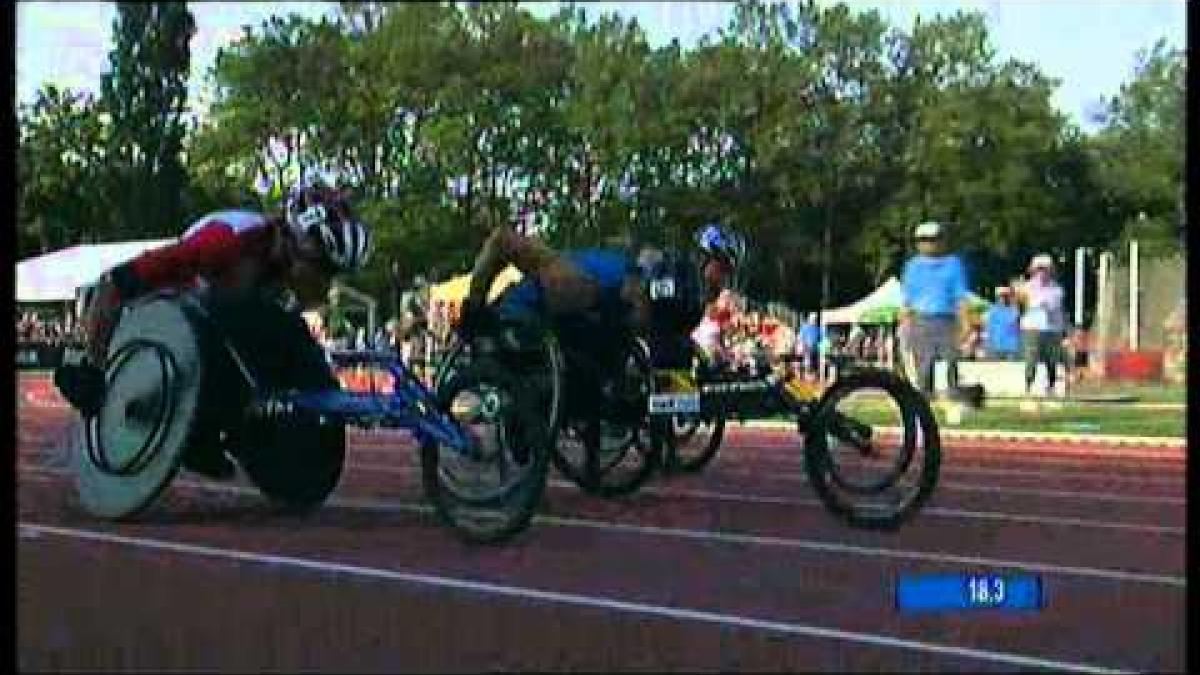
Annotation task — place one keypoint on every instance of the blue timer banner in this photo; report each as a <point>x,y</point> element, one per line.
<point>963,592</point>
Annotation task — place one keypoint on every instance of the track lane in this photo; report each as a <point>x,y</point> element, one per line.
<point>377,521</point>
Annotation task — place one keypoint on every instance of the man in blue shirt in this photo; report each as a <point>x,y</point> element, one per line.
<point>808,339</point>
<point>934,294</point>
<point>1003,326</point>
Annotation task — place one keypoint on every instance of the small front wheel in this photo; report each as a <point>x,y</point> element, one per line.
<point>695,441</point>
<point>614,454</point>
<point>872,451</point>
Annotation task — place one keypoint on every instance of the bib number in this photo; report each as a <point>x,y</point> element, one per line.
<point>662,288</point>
<point>672,404</point>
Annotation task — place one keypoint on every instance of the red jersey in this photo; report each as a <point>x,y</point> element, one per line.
<point>211,250</point>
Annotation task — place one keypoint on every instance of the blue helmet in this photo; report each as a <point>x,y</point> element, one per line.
<point>720,242</point>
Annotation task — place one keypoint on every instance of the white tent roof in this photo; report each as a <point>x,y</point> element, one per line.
<point>55,276</point>
<point>887,295</point>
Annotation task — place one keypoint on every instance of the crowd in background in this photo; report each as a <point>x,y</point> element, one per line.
<point>43,340</point>
<point>1028,318</point>
<point>734,332</point>
<point>34,329</point>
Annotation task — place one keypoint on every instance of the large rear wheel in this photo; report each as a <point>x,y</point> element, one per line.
<point>492,494</point>
<point>131,450</point>
<point>613,452</point>
<point>295,459</point>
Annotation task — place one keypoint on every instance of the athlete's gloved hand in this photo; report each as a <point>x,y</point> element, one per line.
<point>475,318</point>
<point>82,384</point>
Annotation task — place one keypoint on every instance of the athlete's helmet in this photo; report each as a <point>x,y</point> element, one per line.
<point>719,242</point>
<point>324,212</point>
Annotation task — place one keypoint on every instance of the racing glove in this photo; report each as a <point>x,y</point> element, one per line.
<point>472,320</point>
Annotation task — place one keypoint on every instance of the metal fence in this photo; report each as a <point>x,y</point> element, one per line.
<point>1162,287</point>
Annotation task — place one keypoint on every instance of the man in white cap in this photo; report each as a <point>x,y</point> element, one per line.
<point>934,295</point>
<point>1042,322</point>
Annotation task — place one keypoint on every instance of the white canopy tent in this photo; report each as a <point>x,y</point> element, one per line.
<point>53,277</point>
<point>883,301</point>
<point>887,295</point>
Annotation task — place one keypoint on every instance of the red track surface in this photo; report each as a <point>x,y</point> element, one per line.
<point>735,569</point>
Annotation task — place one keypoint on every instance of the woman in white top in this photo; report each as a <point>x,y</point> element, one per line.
<point>1042,321</point>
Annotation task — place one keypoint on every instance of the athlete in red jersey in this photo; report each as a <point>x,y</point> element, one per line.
<point>317,238</point>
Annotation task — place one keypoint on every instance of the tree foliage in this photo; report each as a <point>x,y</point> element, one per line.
<point>145,94</point>
<point>794,119</point>
<point>1139,156</point>
<point>60,168</point>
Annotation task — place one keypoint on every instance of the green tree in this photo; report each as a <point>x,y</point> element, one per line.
<point>145,92</point>
<point>1139,154</point>
<point>61,164</point>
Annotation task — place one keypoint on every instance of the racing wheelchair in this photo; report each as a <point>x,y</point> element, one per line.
<point>872,449</point>
<point>871,452</point>
<point>188,372</point>
<point>589,386</point>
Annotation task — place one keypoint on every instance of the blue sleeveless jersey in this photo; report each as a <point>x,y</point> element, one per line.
<point>608,268</point>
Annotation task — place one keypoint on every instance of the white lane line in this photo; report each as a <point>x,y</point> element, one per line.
<point>936,511</point>
<point>1068,494</point>
<point>951,448</point>
<point>946,470</point>
<point>571,599</point>
<point>1172,451</point>
<point>728,466</point>
<point>757,540</point>
<point>997,489</point>
<point>970,448</point>
<point>930,511</point>
<point>948,485</point>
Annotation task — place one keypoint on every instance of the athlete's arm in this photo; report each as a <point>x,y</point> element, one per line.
<point>495,254</point>
<point>505,247</point>
<point>213,248</point>
<point>635,296</point>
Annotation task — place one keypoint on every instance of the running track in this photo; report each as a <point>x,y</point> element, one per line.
<point>735,569</point>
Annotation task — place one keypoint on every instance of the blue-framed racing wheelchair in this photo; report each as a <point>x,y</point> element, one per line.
<point>189,372</point>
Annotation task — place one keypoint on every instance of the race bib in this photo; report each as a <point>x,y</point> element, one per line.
<point>671,404</point>
<point>662,288</point>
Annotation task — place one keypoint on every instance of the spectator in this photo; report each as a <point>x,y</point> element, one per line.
<point>1003,330</point>
<point>972,342</point>
<point>934,291</point>
<point>855,343</point>
<point>414,304</point>
<point>1042,322</point>
<point>1077,343</point>
<point>380,340</point>
<point>808,339</point>
<point>393,334</point>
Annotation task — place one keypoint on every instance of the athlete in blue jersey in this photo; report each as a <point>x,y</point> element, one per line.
<point>606,287</point>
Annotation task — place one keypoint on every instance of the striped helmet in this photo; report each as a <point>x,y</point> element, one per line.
<point>324,213</point>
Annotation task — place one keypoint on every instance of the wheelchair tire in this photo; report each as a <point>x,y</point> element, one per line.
<point>155,376</point>
<point>517,432</point>
<point>295,460</point>
<point>920,441</point>
<point>690,450</point>
<point>606,476</point>
<point>538,361</point>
